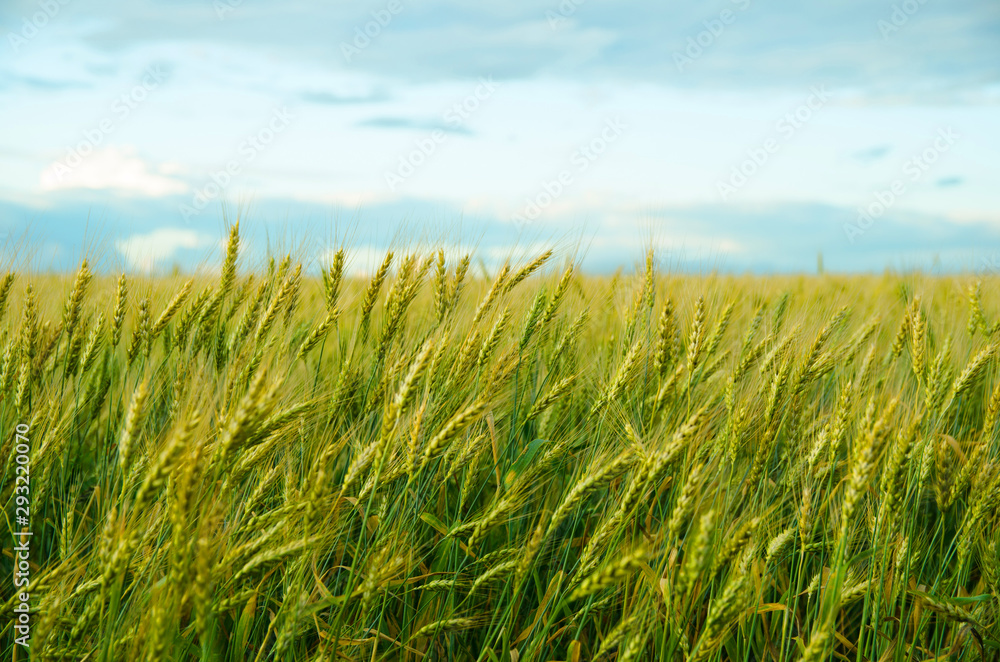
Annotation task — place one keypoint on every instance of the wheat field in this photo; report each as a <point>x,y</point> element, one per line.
<point>435,463</point>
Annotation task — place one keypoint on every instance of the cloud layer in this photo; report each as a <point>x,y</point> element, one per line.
<point>496,116</point>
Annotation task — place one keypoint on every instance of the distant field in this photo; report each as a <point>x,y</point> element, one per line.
<point>534,465</point>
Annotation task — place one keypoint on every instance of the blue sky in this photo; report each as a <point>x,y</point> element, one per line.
<point>734,135</point>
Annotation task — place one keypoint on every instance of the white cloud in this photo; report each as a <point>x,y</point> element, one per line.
<point>173,168</point>
<point>145,251</point>
<point>113,167</point>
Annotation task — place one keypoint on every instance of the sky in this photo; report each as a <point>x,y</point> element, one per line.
<point>732,135</point>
